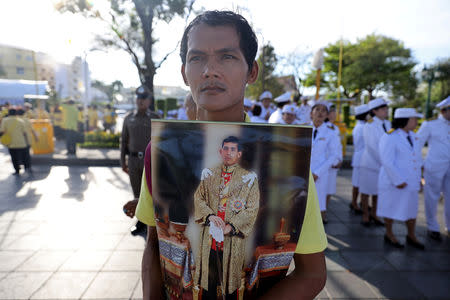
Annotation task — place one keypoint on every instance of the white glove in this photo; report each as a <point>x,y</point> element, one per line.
<point>205,174</point>
<point>250,178</point>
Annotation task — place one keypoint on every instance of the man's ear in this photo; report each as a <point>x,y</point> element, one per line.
<point>253,74</point>
<point>239,154</point>
<point>183,73</point>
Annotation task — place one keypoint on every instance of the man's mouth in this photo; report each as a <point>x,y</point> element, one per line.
<point>212,88</point>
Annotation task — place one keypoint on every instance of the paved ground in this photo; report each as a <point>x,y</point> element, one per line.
<point>63,236</point>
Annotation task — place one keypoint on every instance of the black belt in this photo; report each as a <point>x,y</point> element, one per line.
<point>137,154</point>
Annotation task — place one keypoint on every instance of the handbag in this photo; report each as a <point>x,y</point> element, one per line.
<point>5,139</point>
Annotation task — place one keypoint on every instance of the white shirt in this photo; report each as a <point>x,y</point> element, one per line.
<point>401,162</point>
<point>358,143</point>
<point>304,114</point>
<point>324,150</point>
<point>336,131</point>
<point>257,119</point>
<point>264,111</point>
<point>275,117</point>
<point>372,132</point>
<point>437,134</point>
<point>293,123</point>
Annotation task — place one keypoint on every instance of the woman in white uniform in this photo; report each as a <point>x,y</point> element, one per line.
<point>361,115</point>
<point>332,173</point>
<point>323,153</point>
<point>400,174</point>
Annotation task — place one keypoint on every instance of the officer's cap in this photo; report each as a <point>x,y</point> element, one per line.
<point>266,94</point>
<point>289,109</point>
<point>375,103</point>
<point>248,102</point>
<point>142,92</point>
<point>283,97</point>
<point>361,109</point>
<point>404,113</point>
<point>444,103</point>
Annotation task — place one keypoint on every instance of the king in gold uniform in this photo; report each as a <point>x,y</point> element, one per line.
<point>228,197</point>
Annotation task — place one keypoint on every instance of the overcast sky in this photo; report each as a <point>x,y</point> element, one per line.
<point>423,26</point>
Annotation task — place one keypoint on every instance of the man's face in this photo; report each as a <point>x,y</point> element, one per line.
<point>412,124</point>
<point>446,113</point>
<point>216,69</point>
<point>381,113</point>
<point>319,113</point>
<point>142,104</point>
<point>332,116</point>
<point>230,154</point>
<point>288,118</point>
<point>266,102</point>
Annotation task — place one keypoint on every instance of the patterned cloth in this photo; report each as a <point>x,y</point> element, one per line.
<point>177,259</point>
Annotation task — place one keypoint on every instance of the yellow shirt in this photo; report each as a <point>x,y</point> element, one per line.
<point>312,237</point>
<point>92,117</point>
<point>70,117</point>
<point>17,129</point>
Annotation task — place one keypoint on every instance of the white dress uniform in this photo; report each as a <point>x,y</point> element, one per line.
<point>257,119</point>
<point>323,156</point>
<point>358,149</point>
<point>370,159</point>
<point>436,168</point>
<point>401,162</point>
<point>276,117</point>
<point>332,174</point>
<point>264,111</point>
<point>304,114</point>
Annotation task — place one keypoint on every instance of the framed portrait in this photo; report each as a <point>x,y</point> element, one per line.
<point>229,199</point>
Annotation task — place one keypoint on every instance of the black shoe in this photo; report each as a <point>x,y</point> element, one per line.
<point>356,211</point>
<point>376,221</point>
<point>388,241</point>
<point>16,173</point>
<point>365,223</point>
<point>435,235</point>
<point>139,228</point>
<point>325,221</point>
<point>415,244</point>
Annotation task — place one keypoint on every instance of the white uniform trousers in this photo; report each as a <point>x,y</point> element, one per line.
<point>355,177</point>
<point>322,189</point>
<point>397,204</point>
<point>435,182</point>
<point>332,175</point>
<point>368,181</point>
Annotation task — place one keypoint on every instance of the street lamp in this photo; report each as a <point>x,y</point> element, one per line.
<point>429,74</point>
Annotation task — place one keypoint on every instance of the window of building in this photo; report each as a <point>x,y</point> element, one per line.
<point>18,56</point>
<point>29,58</point>
<point>20,70</point>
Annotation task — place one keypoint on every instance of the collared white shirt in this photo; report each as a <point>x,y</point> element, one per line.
<point>264,111</point>
<point>324,150</point>
<point>257,119</point>
<point>437,134</point>
<point>358,143</point>
<point>276,116</point>
<point>372,132</point>
<point>304,114</point>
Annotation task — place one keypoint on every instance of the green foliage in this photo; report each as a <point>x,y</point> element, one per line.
<point>109,89</point>
<point>100,139</point>
<point>372,64</point>
<point>267,62</point>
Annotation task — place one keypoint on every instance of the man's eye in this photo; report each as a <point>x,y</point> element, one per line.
<point>194,58</point>
<point>228,56</point>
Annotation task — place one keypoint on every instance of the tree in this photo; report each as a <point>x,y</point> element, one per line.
<point>295,63</point>
<point>267,62</point>
<point>132,25</point>
<point>372,64</point>
<point>109,89</point>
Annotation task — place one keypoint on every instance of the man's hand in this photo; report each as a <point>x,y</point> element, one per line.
<point>315,177</point>
<point>227,229</point>
<point>130,208</point>
<point>217,221</point>
<point>338,166</point>
<point>125,167</point>
<point>402,186</point>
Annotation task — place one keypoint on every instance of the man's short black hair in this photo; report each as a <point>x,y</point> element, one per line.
<point>232,139</point>
<point>399,123</point>
<point>256,111</point>
<point>361,117</point>
<point>247,38</point>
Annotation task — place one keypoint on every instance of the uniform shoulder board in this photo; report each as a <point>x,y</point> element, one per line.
<point>391,131</point>
<point>331,127</point>
<point>370,121</point>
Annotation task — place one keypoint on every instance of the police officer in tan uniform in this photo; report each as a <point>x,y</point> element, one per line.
<point>136,134</point>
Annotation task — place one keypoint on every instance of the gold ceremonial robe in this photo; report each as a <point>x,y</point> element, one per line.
<point>241,211</point>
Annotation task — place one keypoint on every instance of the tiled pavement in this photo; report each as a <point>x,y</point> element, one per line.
<point>63,236</point>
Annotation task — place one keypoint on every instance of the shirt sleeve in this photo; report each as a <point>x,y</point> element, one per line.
<point>312,236</point>
<point>145,211</point>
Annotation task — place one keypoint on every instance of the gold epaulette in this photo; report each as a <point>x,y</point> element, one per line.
<point>331,127</point>
<point>390,131</point>
<point>370,121</point>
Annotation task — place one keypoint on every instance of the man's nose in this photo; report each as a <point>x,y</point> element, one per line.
<point>211,68</point>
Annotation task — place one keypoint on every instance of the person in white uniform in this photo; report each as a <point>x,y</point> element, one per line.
<point>281,101</point>
<point>288,115</point>
<point>370,160</point>
<point>361,115</point>
<point>400,174</point>
<point>304,111</point>
<point>323,153</point>
<point>332,174</point>
<point>256,114</point>
<point>266,100</point>
<point>248,106</point>
<point>437,167</point>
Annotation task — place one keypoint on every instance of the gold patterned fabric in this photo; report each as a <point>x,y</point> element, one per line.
<point>241,212</point>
